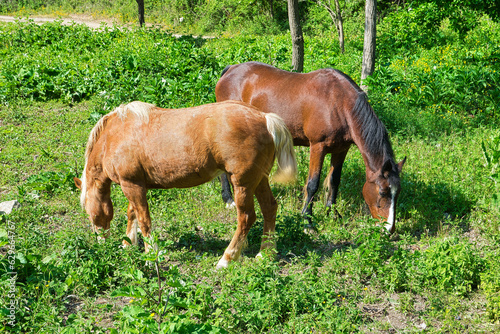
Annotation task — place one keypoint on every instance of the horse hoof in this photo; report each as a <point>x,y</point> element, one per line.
<point>223,263</point>
<point>335,215</point>
<point>270,254</point>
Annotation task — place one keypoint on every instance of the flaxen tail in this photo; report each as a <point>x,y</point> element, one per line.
<point>283,144</point>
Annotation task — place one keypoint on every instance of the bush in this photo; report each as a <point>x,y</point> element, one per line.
<point>121,68</point>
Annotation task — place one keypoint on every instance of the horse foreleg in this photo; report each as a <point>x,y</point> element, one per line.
<point>269,207</point>
<point>316,157</point>
<point>227,197</point>
<point>131,226</point>
<point>138,210</point>
<point>246,217</point>
<point>332,182</point>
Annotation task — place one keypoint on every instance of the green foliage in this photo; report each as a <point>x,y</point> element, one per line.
<point>373,248</point>
<point>463,14</point>
<point>49,182</point>
<point>117,69</point>
<point>448,265</point>
<point>490,283</point>
<point>157,295</point>
<point>451,266</point>
<point>245,17</point>
<point>409,28</point>
<point>47,282</point>
<point>434,85</point>
<point>267,300</point>
<point>492,155</point>
<point>57,81</point>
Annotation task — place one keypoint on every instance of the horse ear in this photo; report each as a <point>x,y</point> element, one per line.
<point>78,183</point>
<point>386,168</point>
<point>401,164</point>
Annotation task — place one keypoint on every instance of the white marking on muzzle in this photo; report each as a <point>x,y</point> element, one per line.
<point>391,220</point>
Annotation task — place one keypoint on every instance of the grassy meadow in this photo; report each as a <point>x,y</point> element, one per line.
<point>438,273</point>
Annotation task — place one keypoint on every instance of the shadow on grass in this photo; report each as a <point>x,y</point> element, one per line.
<point>431,205</point>
<point>291,240</point>
<point>422,208</point>
<point>427,205</point>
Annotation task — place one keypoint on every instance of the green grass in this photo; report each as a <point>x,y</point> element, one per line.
<point>440,270</point>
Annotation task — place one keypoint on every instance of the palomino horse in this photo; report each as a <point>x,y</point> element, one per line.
<point>328,112</point>
<point>141,147</point>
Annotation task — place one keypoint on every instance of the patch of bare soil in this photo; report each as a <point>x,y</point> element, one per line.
<point>87,20</point>
<point>106,315</point>
<point>389,318</point>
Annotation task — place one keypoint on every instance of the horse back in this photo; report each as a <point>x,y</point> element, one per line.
<point>315,106</point>
<point>179,148</point>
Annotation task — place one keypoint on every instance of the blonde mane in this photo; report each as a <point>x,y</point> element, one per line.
<point>139,109</point>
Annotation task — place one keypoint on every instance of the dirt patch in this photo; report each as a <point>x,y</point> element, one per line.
<point>391,317</point>
<point>87,20</point>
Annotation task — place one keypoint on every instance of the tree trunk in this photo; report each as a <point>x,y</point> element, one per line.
<point>340,26</point>
<point>336,17</point>
<point>140,5</point>
<point>297,37</point>
<point>369,42</point>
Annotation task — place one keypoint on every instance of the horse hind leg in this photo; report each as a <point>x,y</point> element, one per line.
<point>269,207</point>
<point>138,211</point>
<point>316,157</point>
<point>332,182</point>
<point>227,197</point>
<point>246,217</point>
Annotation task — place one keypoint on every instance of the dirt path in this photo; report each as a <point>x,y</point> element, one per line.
<point>78,19</point>
<point>88,20</point>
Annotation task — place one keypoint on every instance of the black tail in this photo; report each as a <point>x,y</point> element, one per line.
<point>225,70</point>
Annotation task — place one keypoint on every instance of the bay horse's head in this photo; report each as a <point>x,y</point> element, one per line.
<point>381,191</point>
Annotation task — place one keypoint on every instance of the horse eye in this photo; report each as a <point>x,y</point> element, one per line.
<point>384,193</point>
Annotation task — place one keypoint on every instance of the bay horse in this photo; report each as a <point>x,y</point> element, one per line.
<point>327,111</point>
<point>141,147</point>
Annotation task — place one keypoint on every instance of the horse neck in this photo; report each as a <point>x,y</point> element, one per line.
<point>370,136</point>
<point>373,162</point>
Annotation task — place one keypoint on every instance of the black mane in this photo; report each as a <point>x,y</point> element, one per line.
<point>374,134</point>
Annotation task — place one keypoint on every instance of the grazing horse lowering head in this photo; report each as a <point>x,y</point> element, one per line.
<point>327,111</point>
<point>381,191</point>
<point>140,147</point>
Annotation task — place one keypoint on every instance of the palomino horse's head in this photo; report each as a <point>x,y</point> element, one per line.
<point>99,209</point>
<point>381,192</point>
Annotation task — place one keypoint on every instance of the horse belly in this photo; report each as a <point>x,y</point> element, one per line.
<point>183,175</point>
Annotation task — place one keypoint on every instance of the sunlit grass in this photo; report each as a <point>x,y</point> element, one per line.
<point>348,277</point>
